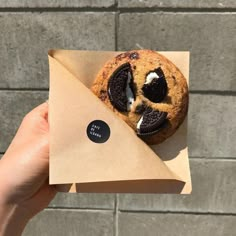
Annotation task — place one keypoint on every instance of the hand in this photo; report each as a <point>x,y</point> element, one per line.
<point>24,171</point>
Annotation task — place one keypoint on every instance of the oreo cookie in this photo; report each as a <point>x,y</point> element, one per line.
<point>121,88</point>
<point>155,86</point>
<point>151,122</point>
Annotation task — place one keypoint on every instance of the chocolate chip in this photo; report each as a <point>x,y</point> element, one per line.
<point>155,90</point>
<point>140,108</point>
<point>134,55</point>
<point>103,95</point>
<point>117,87</point>
<point>151,122</point>
<point>122,56</point>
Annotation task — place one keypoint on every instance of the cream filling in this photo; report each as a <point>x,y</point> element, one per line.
<point>129,93</point>
<point>150,77</point>
<point>139,123</point>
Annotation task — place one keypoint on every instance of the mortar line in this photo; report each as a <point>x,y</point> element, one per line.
<point>25,89</point>
<point>79,209</point>
<point>214,92</point>
<point>175,10</point>
<point>117,16</point>
<point>191,158</point>
<point>114,7</point>
<point>203,92</point>
<point>138,211</point>
<point>213,158</point>
<point>116,233</point>
<point>58,9</point>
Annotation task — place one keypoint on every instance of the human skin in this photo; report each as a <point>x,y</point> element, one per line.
<point>24,171</point>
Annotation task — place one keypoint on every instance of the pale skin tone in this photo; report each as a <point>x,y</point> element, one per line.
<point>24,173</point>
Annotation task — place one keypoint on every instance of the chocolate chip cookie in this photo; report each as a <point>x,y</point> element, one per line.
<point>147,91</point>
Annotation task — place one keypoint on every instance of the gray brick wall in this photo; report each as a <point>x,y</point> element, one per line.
<point>208,30</point>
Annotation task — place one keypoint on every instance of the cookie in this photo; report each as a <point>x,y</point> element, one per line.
<point>146,90</point>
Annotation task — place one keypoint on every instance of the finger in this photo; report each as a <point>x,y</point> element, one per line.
<point>33,132</point>
<point>41,110</point>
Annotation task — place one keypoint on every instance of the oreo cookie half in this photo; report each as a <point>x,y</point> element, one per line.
<point>155,86</point>
<point>151,122</point>
<point>121,88</point>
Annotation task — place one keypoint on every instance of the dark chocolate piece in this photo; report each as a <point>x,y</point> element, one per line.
<point>152,122</point>
<point>140,108</point>
<point>156,90</point>
<point>117,87</point>
<point>134,55</point>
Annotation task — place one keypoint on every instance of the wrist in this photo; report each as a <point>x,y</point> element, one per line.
<point>12,222</point>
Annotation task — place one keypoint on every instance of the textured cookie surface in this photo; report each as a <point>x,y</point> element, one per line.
<point>147,91</point>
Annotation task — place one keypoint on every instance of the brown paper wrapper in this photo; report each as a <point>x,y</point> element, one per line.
<point>124,163</point>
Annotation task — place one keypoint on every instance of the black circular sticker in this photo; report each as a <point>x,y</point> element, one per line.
<point>98,131</point>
